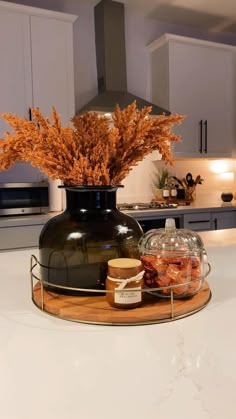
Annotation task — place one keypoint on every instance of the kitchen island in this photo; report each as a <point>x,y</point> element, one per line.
<point>56,369</point>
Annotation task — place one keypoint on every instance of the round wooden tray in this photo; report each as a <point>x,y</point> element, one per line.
<point>96,310</point>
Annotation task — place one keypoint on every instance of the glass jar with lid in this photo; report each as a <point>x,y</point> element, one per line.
<point>174,260</point>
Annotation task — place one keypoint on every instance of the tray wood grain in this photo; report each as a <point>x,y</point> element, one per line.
<point>96,310</point>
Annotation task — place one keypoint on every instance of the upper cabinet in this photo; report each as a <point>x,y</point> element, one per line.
<point>52,65</point>
<point>36,66</point>
<point>15,65</point>
<point>196,78</point>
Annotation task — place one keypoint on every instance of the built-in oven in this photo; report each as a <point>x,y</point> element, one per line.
<point>148,223</point>
<point>24,198</point>
<point>149,217</point>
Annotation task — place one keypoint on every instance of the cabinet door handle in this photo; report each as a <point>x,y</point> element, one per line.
<point>205,123</point>
<point>30,114</point>
<point>200,148</point>
<point>198,221</point>
<point>215,223</point>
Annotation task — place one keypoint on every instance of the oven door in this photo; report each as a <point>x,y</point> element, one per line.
<point>158,222</point>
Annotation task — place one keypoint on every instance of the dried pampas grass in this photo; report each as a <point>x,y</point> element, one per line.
<point>91,152</point>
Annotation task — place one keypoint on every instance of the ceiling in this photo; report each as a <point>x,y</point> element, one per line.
<point>211,15</point>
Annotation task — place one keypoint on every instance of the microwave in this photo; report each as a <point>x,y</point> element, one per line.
<point>24,198</point>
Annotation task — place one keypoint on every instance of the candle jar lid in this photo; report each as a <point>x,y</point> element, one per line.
<point>123,268</point>
<point>173,259</point>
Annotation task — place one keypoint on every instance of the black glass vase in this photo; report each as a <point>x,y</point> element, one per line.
<point>74,247</point>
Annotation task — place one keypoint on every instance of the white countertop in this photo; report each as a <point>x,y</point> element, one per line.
<point>55,369</point>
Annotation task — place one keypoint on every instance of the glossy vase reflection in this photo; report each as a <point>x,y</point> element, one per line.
<point>76,245</point>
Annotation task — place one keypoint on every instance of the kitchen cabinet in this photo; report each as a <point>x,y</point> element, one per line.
<point>223,220</point>
<point>36,64</point>
<point>196,78</point>
<point>198,221</point>
<point>210,220</point>
<point>15,65</point>
<point>20,237</point>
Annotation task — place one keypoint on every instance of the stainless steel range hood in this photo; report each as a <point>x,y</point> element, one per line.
<point>111,62</point>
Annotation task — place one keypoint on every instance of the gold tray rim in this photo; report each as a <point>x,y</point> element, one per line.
<point>142,323</point>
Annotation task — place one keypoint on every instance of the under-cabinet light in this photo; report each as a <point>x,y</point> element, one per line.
<point>220,166</point>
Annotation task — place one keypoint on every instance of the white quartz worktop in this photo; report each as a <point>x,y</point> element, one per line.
<point>55,369</point>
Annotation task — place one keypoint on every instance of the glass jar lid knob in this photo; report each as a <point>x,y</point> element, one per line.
<point>170,224</point>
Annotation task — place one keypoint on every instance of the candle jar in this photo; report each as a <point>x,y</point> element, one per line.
<point>125,279</point>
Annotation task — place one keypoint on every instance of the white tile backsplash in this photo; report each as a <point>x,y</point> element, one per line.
<point>214,183</point>
<point>138,184</point>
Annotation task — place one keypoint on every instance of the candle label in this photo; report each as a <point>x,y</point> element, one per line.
<point>128,297</point>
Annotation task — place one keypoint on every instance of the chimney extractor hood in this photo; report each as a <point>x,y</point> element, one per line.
<point>111,62</point>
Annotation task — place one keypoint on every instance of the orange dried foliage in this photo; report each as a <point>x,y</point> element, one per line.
<point>90,152</point>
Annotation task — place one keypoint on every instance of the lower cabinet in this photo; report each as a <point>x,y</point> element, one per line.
<point>20,237</point>
<point>224,219</point>
<point>203,221</point>
<point>198,221</point>
<point>25,236</point>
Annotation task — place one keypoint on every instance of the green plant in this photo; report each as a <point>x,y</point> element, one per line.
<point>160,178</point>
